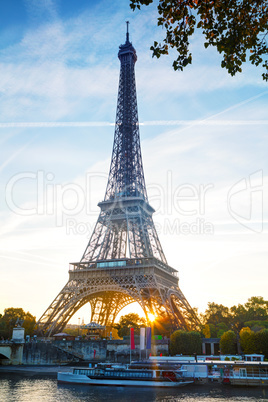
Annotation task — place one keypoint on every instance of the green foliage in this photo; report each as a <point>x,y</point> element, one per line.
<point>9,320</point>
<point>216,319</point>
<point>247,340</point>
<point>214,331</point>
<point>239,316</point>
<point>236,28</point>
<point>220,318</point>
<point>3,330</point>
<point>262,342</point>
<point>220,333</point>
<point>127,321</point>
<point>217,314</point>
<point>220,321</point>
<point>228,343</point>
<point>186,343</point>
<point>257,325</point>
<point>71,331</point>
<point>256,308</point>
<point>207,331</point>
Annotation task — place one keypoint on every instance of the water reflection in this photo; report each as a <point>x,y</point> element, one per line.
<point>14,388</point>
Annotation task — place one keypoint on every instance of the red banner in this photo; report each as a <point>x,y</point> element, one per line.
<point>132,341</point>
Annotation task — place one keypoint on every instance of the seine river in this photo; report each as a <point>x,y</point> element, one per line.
<point>14,388</point>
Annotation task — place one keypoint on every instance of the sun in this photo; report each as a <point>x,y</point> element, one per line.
<point>151,317</point>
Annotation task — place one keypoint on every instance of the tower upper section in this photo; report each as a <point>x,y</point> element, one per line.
<point>126,177</point>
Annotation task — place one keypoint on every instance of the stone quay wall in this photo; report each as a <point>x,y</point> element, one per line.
<point>68,352</point>
<point>45,353</point>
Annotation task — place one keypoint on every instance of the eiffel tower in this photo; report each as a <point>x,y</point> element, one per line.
<point>123,261</point>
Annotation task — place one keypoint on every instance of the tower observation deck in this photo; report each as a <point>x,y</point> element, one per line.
<point>123,261</point>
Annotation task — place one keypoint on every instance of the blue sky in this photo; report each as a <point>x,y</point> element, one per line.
<point>203,135</point>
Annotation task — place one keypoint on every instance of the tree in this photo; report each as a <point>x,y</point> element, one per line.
<point>247,340</point>
<point>29,323</point>
<point>216,314</point>
<point>127,321</point>
<point>255,309</point>
<point>9,320</point>
<point>257,325</point>
<point>262,342</point>
<point>218,319</point>
<point>207,330</point>
<point>228,343</point>
<point>237,28</point>
<point>239,316</point>
<point>71,331</point>
<point>186,343</point>
<point>221,328</point>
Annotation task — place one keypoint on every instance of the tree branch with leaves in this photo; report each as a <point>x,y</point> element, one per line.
<point>237,28</point>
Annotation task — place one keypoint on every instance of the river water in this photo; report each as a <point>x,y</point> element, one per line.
<point>14,388</point>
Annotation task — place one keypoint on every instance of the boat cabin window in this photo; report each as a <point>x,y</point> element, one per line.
<point>83,371</point>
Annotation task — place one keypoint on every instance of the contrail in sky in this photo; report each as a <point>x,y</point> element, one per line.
<point>206,122</point>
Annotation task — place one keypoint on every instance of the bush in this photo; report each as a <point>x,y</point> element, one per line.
<point>262,342</point>
<point>186,343</point>
<point>247,340</point>
<point>228,343</point>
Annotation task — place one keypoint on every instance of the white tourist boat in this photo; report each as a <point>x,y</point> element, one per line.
<point>120,376</point>
<point>252,371</point>
<point>246,373</point>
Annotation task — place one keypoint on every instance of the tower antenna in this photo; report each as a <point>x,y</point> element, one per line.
<point>127,22</point>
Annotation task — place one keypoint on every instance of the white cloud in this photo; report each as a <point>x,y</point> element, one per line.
<point>50,72</point>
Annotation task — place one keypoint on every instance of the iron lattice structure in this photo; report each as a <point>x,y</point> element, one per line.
<point>123,261</point>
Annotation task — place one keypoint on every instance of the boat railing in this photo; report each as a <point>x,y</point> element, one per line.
<point>252,375</point>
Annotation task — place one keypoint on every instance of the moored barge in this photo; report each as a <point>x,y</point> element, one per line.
<point>120,376</point>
